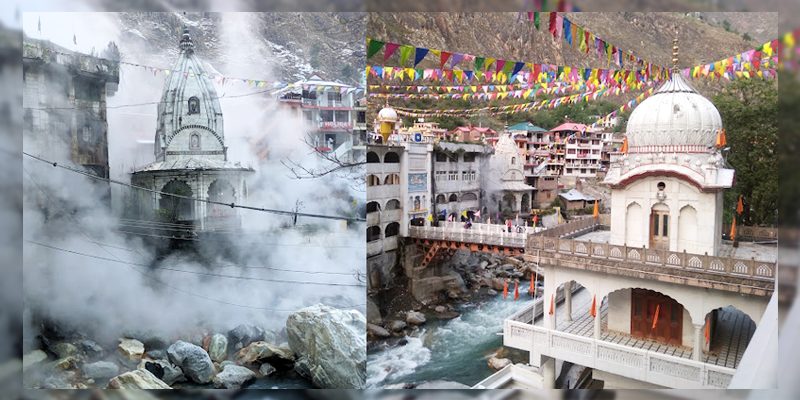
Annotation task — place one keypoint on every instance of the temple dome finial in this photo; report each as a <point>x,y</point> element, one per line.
<point>675,53</point>
<point>186,42</point>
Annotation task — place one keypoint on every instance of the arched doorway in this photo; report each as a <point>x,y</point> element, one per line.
<point>525,206</point>
<point>220,191</point>
<point>656,316</point>
<point>177,208</point>
<point>509,201</point>
<point>659,227</point>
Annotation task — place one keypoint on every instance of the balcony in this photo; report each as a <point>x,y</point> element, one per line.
<point>309,102</point>
<point>383,192</point>
<point>373,218</point>
<point>374,248</point>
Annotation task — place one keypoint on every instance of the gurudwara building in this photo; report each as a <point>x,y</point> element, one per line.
<point>191,158</point>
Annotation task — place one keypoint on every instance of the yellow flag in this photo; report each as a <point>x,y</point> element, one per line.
<point>430,217</point>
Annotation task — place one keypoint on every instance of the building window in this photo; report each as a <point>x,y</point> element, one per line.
<point>194,143</point>
<point>467,175</point>
<point>194,105</point>
<point>326,115</point>
<point>86,134</point>
<point>342,116</point>
<point>334,96</point>
<point>513,160</point>
<point>441,157</point>
<point>373,180</point>
<point>452,176</point>
<point>310,94</point>
<point>85,89</point>
<point>441,176</point>
<point>469,157</point>
<point>361,117</point>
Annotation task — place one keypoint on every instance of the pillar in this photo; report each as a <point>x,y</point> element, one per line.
<point>548,373</point>
<point>597,330</point>
<point>568,301</point>
<point>698,344</point>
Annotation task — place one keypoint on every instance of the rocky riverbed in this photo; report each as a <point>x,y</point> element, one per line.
<point>324,345</point>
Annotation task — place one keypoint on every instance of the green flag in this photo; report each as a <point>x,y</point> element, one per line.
<point>479,62</point>
<point>405,53</point>
<point>536,20</point>
<point>374,47</point>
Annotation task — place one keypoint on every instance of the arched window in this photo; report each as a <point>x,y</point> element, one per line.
<point>373,180</point>
<point>513,160</point>
<point>373,233</point>
<point>392,229</point>
<point>440,199</point>
<point>194,141</point>
<point>417,203</point>
<point>373,206</point>
<point>392,179</point>
<point>469,197</point>
<point>194,105</point>
<point>391,157</point>
<point>453,198</point>
<point>372,157</point>
<point>392,204</point>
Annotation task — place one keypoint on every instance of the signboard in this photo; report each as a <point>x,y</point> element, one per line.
<point>417,182</point>
<point>337,124</point>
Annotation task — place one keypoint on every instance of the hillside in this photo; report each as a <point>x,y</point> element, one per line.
<point>270,46</point>
<point>499,35</point>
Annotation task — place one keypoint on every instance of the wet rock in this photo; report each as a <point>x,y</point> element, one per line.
<point>260,352</point>
<point>497,363</point>
<point>241,336</point>
<point>440,309</point>
<point>65,363</point>
<point>266,369</point>
<point>100,369</point>
<point>452,294</point>
<point>373,313</point>
<point>415,318</point>
<point>233,377</point>
<point>378,331</point>
<point>491,292</point>
<point>64,350</point>
<point>130,349</point>
<point>137,379</point>
<point>93,350</point>
<point>33,358</point>
<point>218,348</point>
<point>402,342</point>
<point>330,345</point>
<point>164,370</point>
<point>193,360</point>
<point>448,315</point>
<point>397,326</point>
<point>497,284</point>
<point>157,354</point>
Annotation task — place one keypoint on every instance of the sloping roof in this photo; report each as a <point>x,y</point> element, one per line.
<point>575,195</point>
<point>474,128</point>
<point>191,163</point>
<point>569,127</point>
<point>516,186</point>
<point>526,126</point>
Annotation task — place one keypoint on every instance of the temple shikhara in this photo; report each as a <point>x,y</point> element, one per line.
<point>191,158</point>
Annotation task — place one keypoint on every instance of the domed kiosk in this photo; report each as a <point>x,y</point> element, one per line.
<point>667,191</point>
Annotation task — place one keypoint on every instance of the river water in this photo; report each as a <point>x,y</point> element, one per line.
<point>452,350</point>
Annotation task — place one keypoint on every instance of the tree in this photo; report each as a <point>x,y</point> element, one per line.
<point>726,25</point>
<point>746,36</point>
<point>749,110</point>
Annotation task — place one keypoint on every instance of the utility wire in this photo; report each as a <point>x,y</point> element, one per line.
<point>246,243</point>
<point>232,205</point>
<point>116,260</point>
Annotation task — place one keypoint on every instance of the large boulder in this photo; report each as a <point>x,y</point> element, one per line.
<point>152,339</point>
<point>130,349</point>
<point>497,284</point>
<point>193,360</point>
<point>243,335</point>
<point>415,318</point>
<point>378,331</point>
<point>65,350</point>
<point>496,363</point>
<point>261,352</point>
<point>93,350</point>
<point>330,345</point>
<point>164,370</point>
<point>397,326</point>
<point>373,313</point>
<point>100,370</point>
<point>33,358</point>
<point>137,379</point>
<point>218,348</point>
<point>233,377</point>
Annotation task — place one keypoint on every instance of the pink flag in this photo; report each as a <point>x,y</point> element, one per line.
<point>450,219</point>
<point>478,214</point>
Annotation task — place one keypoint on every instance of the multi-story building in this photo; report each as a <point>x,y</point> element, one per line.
<point>583,149</point>
<point>64,105</point>
<point>331,111</point>
<point>472,134</point>
<point>458,179</point>
<point>426,128</point>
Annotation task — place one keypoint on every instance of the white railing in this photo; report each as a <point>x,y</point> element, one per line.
<point>630,362</point>
<point>497,235</point>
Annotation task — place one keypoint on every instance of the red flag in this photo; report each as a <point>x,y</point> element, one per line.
<point>708,329</point>
<point>739,207</point>
<point>592,311</point>
<point>445,55</point>
<point>553,23</point>
<point>505,289</point>
<point>655,318</point>
<point>390,49</point>
<point>516,290</point>
<point>552,301</point>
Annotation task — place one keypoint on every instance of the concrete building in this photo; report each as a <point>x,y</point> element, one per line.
<point>506,183</point>
<point>191,158</point>
<point>459,178</point>
<point>64,104</point>
<point>576,200</point>
<point>583,150</point>
<point>472,134</point>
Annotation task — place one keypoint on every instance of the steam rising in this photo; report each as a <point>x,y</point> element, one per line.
<point>104,298</point>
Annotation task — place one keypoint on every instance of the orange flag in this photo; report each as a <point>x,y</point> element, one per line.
<point>516,291</point>
<point>733,230</point>
<point>739,207</point>
<point>505,289</point>
<point>625,146</point>
<point>723,139</point>
<point>708,331</point>
<point>552,301</point>
<point>531,290</point>
<point>719,139</point>
<point>596,211</point>
<point>592,311</point>
<point>655,318</point>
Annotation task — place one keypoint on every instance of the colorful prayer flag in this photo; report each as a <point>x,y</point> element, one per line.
<point>516,290</point>
<point>593,311</point>
<point>552,303</point>
<point>739,207</point>
<point>505,289</point>
<point>655,318</point>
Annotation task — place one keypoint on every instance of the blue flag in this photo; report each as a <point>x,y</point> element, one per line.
<point>420,54</point>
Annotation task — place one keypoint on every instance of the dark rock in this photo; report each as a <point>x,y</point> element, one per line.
<point>266,369</point>
<point>241,336</point>
<point>397,325</point>
<point>402,342</point>
<point>157,354</point>
<point>93,350</point>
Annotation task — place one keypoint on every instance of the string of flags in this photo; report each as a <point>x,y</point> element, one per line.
<point>560,5</point>
<point>625,107</point>
<point>474,88</point>
<point>789,51</point>
<point>219,78</point>
<point>515,94</point>
<point>760,61</point>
